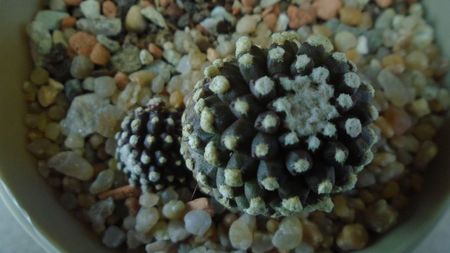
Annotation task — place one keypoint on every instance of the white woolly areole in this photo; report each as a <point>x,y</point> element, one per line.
<point>264,85</point>
<point>313,143</point>
<point>320,40</point>
<point>233,177</point>
<point>269,121</point>
<point>261,150</point>
<point>301,165</point>
<point>291,138</point>
<point>340,156</point>
<point>277,54</point>
<point>270,183</point>
<point>211,71</point>
<point>353,127</point>
<point>241,106</point>
<point>226,191</point>
<point>281,37</point>
<point>308,109</point>
<point>302,61</point>
<point>352,80</point>
<point>207,120</point>
<point>256,206</point>
<point>194,141</point>
<point>320,75</point>
<point>345,101</point>
<point>145,159</point>
<point>246,60</point>
<point>199,106</point>
<point>230,142</point>
<point>219,85</point>
<point>292,204</point>
<point>154,176</point>
<point>211,154</point>
<point>373,111</point>
<point>339,56</point>
<point>168,139</point>
<point>243,45</point>
<point>329,130</point>
<point>325,187</point>
<point>135,124</point>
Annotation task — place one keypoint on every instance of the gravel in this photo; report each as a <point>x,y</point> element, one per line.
<point>74,109</point>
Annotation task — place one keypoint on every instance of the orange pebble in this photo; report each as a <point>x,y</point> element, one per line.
<point>247,5</point>
<point>327,9</point>
<point>384,3</point>
<point>155,50</point>
<point>100,55</point>
<point>300,16</point>
<point>72,2</point>
<point>82,43</point>
<point>271,21</point>
<point>121,193</point>
<point>121,80</point>
<point>176,99</point>
<point>68,22</point>
<point>201,204</point>
<point>109,9</point>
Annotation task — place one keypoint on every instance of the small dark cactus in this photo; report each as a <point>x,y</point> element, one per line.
<point>148,147</point>
<point>275,131</point>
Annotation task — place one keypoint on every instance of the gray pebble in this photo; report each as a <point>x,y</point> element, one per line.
<point>103,182</point>
<point>89,84</point>
<point>98,213</point>
<point>113,237</point>
<point>50,19</point>
<point>81,67</point>
<point>72,164</point>
<point>197,222</point>
<point>110,44</point>
<point>57,5</point>
<point>40,36</point>
<point>127,60</point>
<point>105,86</point>
<point>90,8</point>
<point>103,26</point>
<point>154,16</point>
<point>72,88</point>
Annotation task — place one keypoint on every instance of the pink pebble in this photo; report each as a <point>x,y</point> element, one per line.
<point>327,9</point>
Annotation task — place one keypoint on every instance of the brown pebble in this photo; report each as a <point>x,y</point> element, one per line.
<point>82,43</point>
<point>176,99</point>
<point>172,10</point>
<point>271,21</point>
<point>353,237</point>
<point>109,9</point>
<point>399,119</point>
<point>121,80</point>
<point>165,3</point>
<point>201,204</point>
<point>350,16</point>
<point>68,22</point>
<point>327,9</point>
<point>100,55</point>
<point>72,2</point>
<point>247,5</point>
<point>123,192</point>
<point>312,234</point>
<point>133,205</point>
<point>384,3</point>
<point>300,16</point>
<point>229,219</point>
<point>155,50</point>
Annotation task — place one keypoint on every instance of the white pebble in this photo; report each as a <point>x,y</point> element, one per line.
<point>289,234</point>
<point>146,219</point>
<point>197,222</point>
<point>247,24</point>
